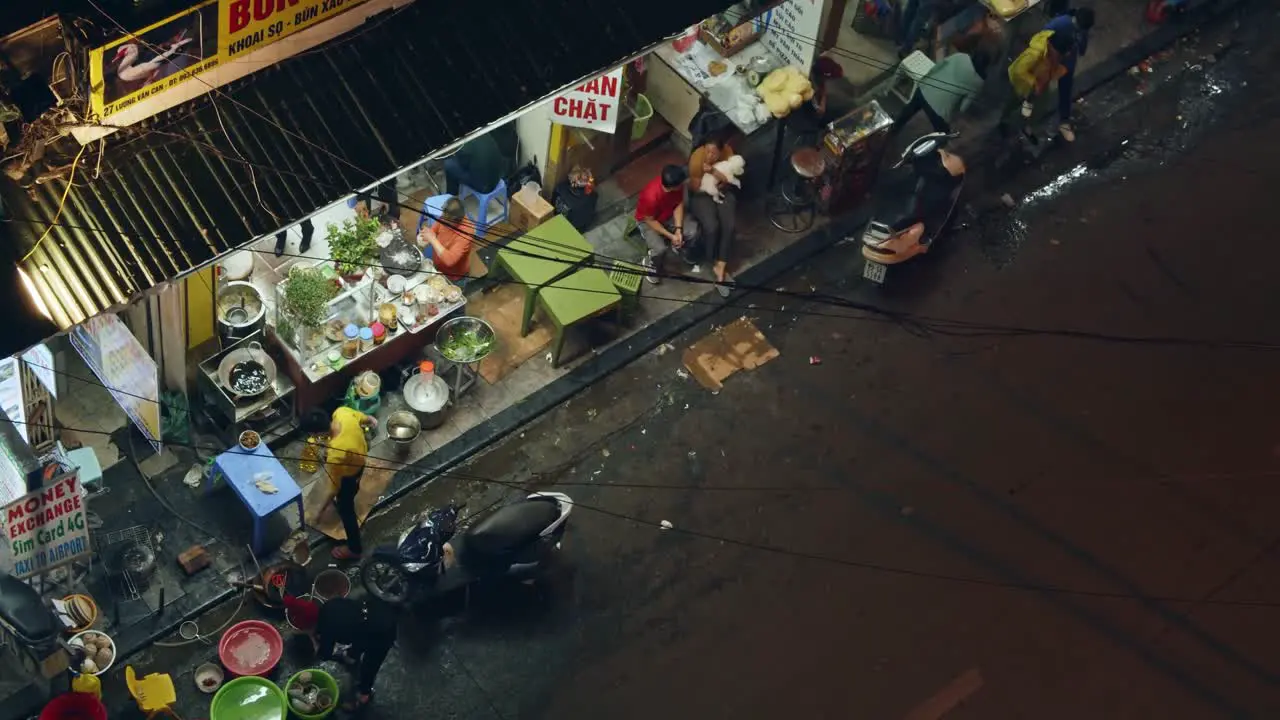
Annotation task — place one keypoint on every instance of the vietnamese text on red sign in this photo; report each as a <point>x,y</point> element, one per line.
<point>589,109</point>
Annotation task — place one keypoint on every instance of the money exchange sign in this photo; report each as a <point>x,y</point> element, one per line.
<point>47,528</point>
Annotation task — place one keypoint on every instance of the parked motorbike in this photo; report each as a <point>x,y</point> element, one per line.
<point>32,628</point>
<point>910,217</point>
<point>432,558</point>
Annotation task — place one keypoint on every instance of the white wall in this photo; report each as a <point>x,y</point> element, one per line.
<point>534,129</point>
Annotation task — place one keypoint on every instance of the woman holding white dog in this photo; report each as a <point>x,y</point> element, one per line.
<point>714,181</point>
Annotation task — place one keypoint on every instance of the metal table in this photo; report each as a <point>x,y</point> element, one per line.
<point>269,414</point>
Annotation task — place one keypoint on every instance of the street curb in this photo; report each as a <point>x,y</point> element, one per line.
<point>615,357</point>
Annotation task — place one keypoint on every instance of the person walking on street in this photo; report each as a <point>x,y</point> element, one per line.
<point>344,464</point>
<point>716,220</point>
<point>1030,75</point>
<point>660,216</point>
<point>947,90</point>
<point>1076,23</point>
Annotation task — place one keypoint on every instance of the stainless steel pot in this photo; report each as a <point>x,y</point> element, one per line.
<point>428,397</point>
<point>239,309</point>
<point>240,358</point>
<point>403,427</point>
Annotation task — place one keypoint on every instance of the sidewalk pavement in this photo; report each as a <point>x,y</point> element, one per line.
<point>492,412</point>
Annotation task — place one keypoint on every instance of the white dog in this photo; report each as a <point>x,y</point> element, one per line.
<point>731,168</point>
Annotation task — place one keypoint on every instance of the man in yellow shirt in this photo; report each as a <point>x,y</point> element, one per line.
<point>344,464</point>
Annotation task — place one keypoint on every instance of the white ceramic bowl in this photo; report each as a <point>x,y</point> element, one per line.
<point>208,672</point>
<point>78,640</point>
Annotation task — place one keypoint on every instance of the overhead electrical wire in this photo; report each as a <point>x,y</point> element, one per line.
<point>816,557</point>
<point>920,325</point>
<point>942,326</point>
<point>61,203</point>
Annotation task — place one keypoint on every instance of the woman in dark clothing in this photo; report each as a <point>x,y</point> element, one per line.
<point>716,220</point>
<point>368,627</point>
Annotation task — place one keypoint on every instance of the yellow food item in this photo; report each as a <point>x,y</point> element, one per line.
<point>796,83</point>
<point>1006,8</point>
<point>716,68</point>
<point>777,105</point>
<point>784,90</point>
<point>773,82</point>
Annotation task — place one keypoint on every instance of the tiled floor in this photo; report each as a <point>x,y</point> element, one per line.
<point>86,411</point>
<point>864,57</point>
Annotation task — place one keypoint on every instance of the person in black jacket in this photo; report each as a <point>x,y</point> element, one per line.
<point>368,628</point>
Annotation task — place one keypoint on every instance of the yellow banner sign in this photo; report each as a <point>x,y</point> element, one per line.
<point>179,49</point>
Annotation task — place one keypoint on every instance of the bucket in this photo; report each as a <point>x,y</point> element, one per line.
<point>368,383</point>
<point>74,706</point>
<point>643,112</point>
<point>403,427</point>
<point>331,584</point>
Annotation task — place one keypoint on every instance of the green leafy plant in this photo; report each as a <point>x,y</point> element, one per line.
<point>351,244</point>
<point>307,293</point>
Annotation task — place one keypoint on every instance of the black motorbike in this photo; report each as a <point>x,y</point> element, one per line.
<point>916,210</point>
<point>432,558</point>
<point>32,628</point>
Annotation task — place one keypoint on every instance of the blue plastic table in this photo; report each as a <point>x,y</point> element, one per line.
<point>238,466</point>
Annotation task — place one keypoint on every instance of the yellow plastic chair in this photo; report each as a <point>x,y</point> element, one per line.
<point>153,693</point>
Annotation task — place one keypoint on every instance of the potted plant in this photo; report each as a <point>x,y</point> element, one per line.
<point>352,245</point>
<point>305,303</point>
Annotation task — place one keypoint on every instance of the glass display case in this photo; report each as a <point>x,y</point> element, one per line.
<point>355,304</point>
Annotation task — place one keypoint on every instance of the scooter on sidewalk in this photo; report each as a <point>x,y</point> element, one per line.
<point>913,213</point>
<point>32,630</point>
<point>431,558</point>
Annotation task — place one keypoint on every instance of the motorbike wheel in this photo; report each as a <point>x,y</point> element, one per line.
<point>386,581</point>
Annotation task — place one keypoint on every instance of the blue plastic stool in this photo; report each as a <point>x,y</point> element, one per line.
<point>482,219</point>
<point>432,209</point>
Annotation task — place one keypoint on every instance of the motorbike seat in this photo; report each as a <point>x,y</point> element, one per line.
<point>22,609</point>
<point>900,213</point>
<point>513,527</point>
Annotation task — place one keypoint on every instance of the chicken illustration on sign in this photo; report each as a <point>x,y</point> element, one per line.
<point>593,104</point>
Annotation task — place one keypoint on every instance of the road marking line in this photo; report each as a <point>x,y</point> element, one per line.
<point>948,698</point>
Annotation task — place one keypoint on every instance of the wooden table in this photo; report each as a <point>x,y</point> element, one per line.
<point>541,256</point>
<point>573,300</point>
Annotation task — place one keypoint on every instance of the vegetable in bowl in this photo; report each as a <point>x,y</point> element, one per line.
<point>465,340</point>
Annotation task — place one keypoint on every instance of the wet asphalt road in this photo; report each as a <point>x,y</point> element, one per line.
<point>933,521</point>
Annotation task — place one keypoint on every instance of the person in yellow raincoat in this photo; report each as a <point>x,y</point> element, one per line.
<point>1031,74</point>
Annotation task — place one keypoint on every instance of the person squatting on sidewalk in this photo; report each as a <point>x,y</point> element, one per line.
<point>661,218</point>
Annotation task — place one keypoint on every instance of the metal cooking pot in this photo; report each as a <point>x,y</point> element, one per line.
<point>239,309</point>
<point>428,397</point>
<point>241,360</point>
<point>403,427</point>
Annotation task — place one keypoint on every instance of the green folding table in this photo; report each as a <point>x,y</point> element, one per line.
<point>541,256</point>
<point>575,299</point>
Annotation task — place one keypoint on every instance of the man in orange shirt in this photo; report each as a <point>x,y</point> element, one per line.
<point>450,240</point>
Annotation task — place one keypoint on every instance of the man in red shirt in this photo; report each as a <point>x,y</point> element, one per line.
<point>661,218</point>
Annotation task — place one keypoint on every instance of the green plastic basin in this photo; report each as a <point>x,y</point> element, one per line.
<point>249,698</point>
